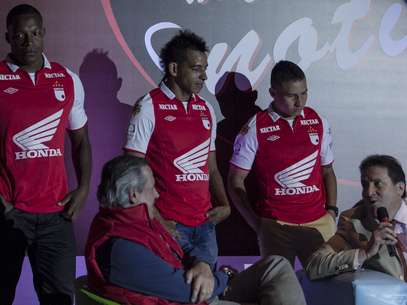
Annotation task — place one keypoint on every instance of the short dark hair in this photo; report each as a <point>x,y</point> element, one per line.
<point>285,71</point>
<point>393,166</point>
<point>22,9</point>
<point>118,176</point>
<point>175,49</point>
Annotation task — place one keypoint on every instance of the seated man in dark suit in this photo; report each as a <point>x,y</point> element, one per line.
<point>361,239</point>
<point>132,259</point>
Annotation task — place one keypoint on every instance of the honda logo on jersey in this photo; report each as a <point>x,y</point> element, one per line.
<point>59,91</point>
<point>191,162</point>
<point>291,178</point>
<point>31,139</point>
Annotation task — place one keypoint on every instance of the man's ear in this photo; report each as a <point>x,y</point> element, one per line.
<point>401,187</point>
<point>133,197</point>
<point>7,37</point>
<point>253,96</point>
<point>272,92</point>
<point>173,69</point>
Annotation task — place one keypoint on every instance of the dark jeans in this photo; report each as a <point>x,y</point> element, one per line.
<point>49,242</point>
<point>199,243</point>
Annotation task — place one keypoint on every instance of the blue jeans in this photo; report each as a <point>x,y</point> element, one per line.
<point>199,243</point>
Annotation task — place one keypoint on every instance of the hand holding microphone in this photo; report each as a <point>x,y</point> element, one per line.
<point>383,235</point>
<point>383,217</point>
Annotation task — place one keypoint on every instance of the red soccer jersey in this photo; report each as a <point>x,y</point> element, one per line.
<point>287,164</point>
<point>178,143</point>
<point>34,114</point>
<point>290,182</point>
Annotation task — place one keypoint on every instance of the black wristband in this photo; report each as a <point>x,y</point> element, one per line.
<point>332,208</point>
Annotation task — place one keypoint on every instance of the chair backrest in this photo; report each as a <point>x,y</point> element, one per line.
<point>96,299</point>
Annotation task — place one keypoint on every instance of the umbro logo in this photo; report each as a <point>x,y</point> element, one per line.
<point>10,90</point>
<point>273,138</point>
<point>31,140</point>
<point>291,178</point>
<point>191,162</point>
<point>170,118</point>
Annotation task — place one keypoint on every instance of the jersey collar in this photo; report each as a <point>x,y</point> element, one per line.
<point>275,116</point>
<point>171,95</point>
<point>13,67</point>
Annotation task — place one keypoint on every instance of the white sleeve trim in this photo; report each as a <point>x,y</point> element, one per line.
<point>245,147</point>
<point>214,126</point>
<point>141,126</point>
<point>77,117</point>
<point>327,156</point>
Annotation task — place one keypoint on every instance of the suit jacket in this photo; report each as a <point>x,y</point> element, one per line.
<point>337,255</point>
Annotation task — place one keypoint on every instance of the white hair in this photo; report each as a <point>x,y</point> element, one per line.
<point>120,176</point>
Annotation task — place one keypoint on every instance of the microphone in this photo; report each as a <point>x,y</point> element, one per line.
<point>383,216</point>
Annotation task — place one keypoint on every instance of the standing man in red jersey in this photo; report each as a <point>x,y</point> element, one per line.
<point>289,148</point>
<point>175,130</point>
<point>39,99</point>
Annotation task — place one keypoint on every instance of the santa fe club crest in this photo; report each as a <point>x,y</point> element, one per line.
<point>206,123</point>
<point>59,92</point>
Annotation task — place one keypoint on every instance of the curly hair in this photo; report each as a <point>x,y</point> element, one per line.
<point>175,49</point>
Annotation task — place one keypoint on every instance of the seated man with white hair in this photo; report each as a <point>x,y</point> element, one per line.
<point>132,259</point>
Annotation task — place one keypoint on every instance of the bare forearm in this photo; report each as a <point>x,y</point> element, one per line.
<point>217,189</point>
<point>330,184</point>
<point>221,209</point>
<point>240,200</point>
<point>82,160</point>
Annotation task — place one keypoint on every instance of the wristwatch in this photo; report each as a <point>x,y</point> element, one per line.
<point>332,208</point>
<point>229,271</point>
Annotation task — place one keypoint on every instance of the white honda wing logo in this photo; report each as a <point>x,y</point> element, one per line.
<point>190,162</point>
<point>290,179</point>
<point>31,139</point>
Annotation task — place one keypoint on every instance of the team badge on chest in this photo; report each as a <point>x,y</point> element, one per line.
<point>59,91</point>
<point>313,136</point>
<point>206,123</point>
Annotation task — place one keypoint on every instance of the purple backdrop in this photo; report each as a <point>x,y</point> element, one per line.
<point>353,53</point>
